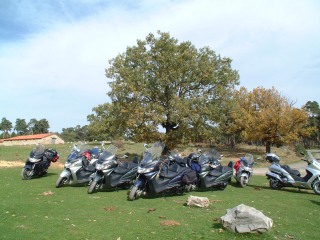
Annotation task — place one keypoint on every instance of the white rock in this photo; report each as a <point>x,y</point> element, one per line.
<point>198,201</point>
<point>245,219</point>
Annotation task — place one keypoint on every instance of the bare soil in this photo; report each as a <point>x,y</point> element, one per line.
<point>8,164</point>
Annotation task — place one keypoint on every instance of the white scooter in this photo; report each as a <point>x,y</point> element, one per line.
<point>284,176</point>
<point>244,169</point>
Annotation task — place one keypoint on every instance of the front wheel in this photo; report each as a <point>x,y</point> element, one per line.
<point>275,184</point>
<point>60,181</point>
<point>244,181</point>
<point>26,174</point>
<point>92,187</point>
<point>316,186</point>
<point>133,194</point>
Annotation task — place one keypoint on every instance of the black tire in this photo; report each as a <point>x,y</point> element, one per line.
<point>92,187</point>
<point>316,186</point>
<point>26,174</point>
<point>60,181</point>
<point>243,181</point>
<point>275,184</point>
<point>133,193</point>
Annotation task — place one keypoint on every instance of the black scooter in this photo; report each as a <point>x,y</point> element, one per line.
<point>211,174</point>
<point>157,176</point>
<point>38,162</point>
<point>111,172</point>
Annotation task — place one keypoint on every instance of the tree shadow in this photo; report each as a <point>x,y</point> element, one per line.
<point>315,202</point>
<point>284,189</point>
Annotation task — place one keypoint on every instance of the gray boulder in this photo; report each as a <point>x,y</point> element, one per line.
<point>245,219</point>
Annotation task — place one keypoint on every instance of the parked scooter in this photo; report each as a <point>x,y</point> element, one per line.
<point>157,176</point>
<point>244,169</point>
<point>283,176</point>
<point>78,168</point>
<point>38,162</point>
<point>111,172</point>
<point>211,174</point>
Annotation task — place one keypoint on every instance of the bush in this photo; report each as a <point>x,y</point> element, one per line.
<point>300,150</point>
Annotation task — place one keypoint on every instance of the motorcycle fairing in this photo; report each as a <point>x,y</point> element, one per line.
<point>217,176</point>
<point>160,184</point>
<point>117,179</point>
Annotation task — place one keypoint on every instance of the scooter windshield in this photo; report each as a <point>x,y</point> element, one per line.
<point>76,151</point>
<point>108,154</point>
<point>153,154</point>
<point>248,160</point>
<point>37,152</point>
<point>211,156</point>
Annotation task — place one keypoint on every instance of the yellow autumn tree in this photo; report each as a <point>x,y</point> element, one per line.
<point>272,119</point>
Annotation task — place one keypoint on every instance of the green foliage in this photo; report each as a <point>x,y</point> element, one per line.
<point>160,82</point>
<point>35,209</point>
<point>5,126</point>
<point>21,127</point>
<point>300,150</point>
<point>75,134</point>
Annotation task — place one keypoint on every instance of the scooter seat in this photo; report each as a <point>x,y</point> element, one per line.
<point>220,170</point>
<point>90,168</point>
<point>215,173</point>
<point>125,167</point>
<point>290,170</point>
<point>172,171</point>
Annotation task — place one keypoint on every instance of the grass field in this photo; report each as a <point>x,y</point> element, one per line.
<point>35,209</point>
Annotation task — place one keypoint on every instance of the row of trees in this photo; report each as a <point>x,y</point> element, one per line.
<point>21,127</point>
<point>191,94</point>
<point>170,91</point>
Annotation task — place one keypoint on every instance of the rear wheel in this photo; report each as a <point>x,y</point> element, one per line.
<point>60,181</point>
<point>26,174</point>
<point>275,184</point>
<point>316,186</point>
<point>133,193</point>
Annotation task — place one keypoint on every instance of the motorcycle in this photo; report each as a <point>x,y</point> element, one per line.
<point>157,176</point>
<point>78,168</point>
<point>38,162</point>
<point>244,169</point>
<point>210,172</point>
<point>284,176</point>
<point>111,172</point>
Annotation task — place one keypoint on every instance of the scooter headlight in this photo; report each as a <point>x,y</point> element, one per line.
<point>34,160</point>
<point>99,166</point>
<point>67,165</point>
<point>144,170</point>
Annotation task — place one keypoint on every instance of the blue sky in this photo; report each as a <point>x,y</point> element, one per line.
<point>53,53</point>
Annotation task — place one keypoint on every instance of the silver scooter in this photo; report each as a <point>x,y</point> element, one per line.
<point>283,176</point>
<point>78,168</point>
<point>244,169</point>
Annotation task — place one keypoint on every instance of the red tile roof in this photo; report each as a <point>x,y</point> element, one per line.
<point>28,137</point>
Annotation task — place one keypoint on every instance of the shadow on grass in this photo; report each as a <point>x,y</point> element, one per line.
<point>315,202</point>
<point>44,176</point>
<point>285,189</point>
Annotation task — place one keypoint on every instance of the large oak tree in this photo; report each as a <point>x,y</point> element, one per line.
<point>161,82</point>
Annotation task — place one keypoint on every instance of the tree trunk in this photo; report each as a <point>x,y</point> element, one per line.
<point>233,142</point>
<point>268,147</point>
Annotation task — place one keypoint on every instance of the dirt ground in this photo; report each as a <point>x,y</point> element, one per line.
<point>8,164</point>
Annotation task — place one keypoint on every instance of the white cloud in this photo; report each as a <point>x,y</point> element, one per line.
<point>272,43</point>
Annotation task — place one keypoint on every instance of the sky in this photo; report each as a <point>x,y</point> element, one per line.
<point>53,53</point>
